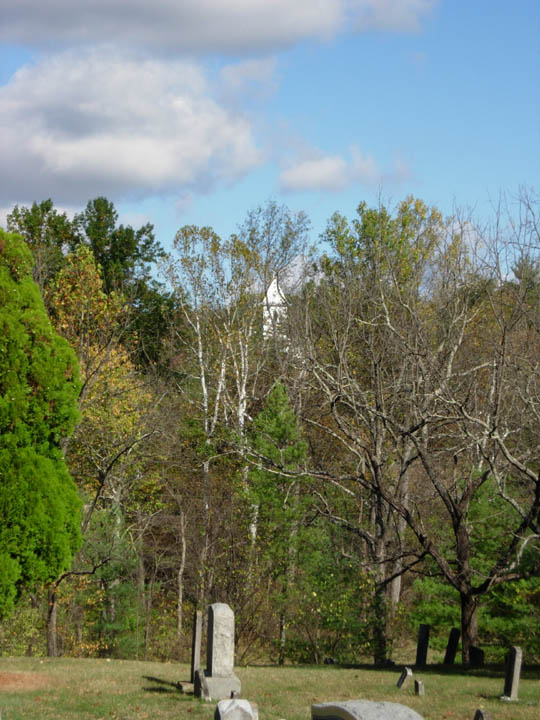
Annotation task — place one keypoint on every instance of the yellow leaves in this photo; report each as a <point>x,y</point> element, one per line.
<point>215,246</point>
<point>240,249</point>
<point>81,308</point>
<point>115,389</point>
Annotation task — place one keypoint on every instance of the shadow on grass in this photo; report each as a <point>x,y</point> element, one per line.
<point>495,670</point>
<point>161,686</point>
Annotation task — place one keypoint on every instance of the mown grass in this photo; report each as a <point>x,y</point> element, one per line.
<point>127,690</point>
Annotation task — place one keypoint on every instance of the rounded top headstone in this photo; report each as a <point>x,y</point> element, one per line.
<point>363,710</point>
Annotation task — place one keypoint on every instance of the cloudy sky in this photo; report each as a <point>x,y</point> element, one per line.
<point>195,111</point>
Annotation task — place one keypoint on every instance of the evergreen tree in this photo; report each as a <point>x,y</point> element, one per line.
<point>276,442</point>
<point>39,386</point>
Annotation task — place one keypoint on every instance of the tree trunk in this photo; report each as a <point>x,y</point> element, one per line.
<point>180,579</point>
<point>282,633</point>
<point>397,569</point>
<point>148,616</point>
<point>52,605</point>
<point>141,579</point>
<point>469,625</point>
<point>290,572</point>
<point>205,546</point>
<point>379,625</point>
<point>380,598</point>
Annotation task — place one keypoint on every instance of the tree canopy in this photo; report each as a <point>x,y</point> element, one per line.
<point>367,461</point>
<point>39,386</point>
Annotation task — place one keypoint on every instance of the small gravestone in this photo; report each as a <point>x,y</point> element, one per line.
<point>481,715</point>
<point>363,710</point>
<point>418,687</point>
<point>513,672</point>
<point>452,646</point>
<point>404,678</point>
<point>218,680</point>
<point>196,644</point>
<point>476,657</point>
<point>422,646</point>
<point>236,709</point>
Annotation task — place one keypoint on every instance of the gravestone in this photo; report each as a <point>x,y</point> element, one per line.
<point>363,710</point>
<point>218,680</point>
<point>196,644</point>
<point>513,671</point>
<point>481,715</point>
<point>418,687</point>
<point>452,646</point>
<point>236,709</point>
<point>476,657</point>
<point>404,678</point>
<point>422,647</point>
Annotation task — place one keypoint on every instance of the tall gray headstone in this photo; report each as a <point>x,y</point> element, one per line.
<point>452,646</point>
<point>418,687</point>
<point>218,680</point>
<point>196,644</point>
<point>422,647</point>
<point>220,643</point>
<point>513,672</point>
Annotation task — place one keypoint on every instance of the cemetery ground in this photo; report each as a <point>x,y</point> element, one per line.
<point>66,688</point>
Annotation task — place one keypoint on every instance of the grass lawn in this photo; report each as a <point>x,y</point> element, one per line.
<point>63,688</point>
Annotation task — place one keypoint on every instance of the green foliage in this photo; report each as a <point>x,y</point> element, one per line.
<point>527,272</point>
<point>332,597</point>
<point>275,431</point>
<point>490,520</point>
<point>122,252</point>
<point>39,385</point>
<point>323,596</point>
<point>393,247</point>
<point>22,632</point>
<point>512,617</point>
<point>47,233</point>
<point>276,443</point>
<point>509,615</point>
<point>437,604</point>
<point>125,256</point>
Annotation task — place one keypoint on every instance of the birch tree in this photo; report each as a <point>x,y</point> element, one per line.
<point>221,285</point>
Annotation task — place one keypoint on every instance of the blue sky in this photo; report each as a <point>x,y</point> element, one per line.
<point>196,111</point>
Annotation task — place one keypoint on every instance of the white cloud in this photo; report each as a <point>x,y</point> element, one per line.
<point>330,173</point>
<point>76,125</point>
<point>179,26</point>
<point>393,15</point>
<point>255,77</point>
<point>363,168</point>
<point>91,119</point>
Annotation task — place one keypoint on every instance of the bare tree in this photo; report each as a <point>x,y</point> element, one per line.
<point>417,349</point>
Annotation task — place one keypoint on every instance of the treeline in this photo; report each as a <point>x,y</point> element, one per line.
<point>358,457</point>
